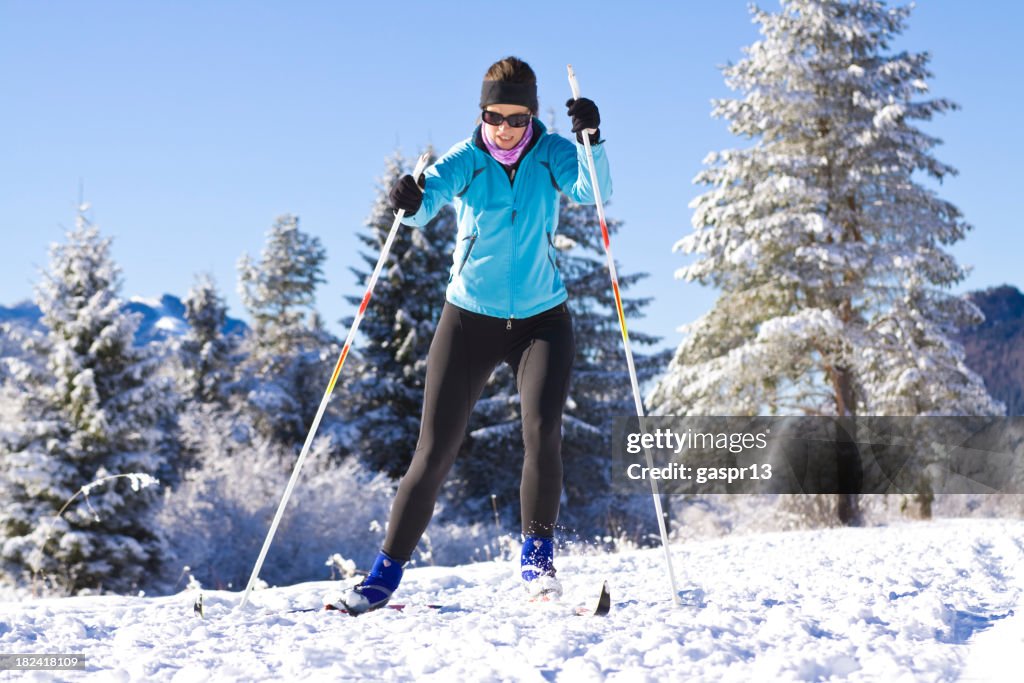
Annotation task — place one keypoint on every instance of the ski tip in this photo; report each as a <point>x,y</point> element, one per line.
<point>603,606</point>
<point>604,603</point>
<point>197,607</point>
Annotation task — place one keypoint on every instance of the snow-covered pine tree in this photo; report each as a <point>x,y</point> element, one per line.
<point>22,369</point>
<point>9,350</point>
<point>387,380</point>
<point>93,413</point>
<point>22,364</point>
<point>205,351</point>
<point>204,370</point>
<point>289,353</point>
<point>829,254</point>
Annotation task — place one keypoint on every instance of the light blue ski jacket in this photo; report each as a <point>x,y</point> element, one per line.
<point>504,264</point>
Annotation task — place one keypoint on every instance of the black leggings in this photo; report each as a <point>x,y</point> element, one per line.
<point>466,349</point>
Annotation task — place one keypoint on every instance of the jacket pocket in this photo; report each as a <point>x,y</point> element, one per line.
<point>469,250</point>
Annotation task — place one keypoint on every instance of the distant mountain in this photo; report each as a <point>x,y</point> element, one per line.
<point>165,317</point>
<point>995,349</point>
<point>24,313</point>
<point>161,318</point>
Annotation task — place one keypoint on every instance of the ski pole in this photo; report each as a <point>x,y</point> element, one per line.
<point>421,165</point>
<point>625,336</point>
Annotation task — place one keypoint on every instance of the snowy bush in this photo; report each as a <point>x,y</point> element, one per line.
<point>217,518</point>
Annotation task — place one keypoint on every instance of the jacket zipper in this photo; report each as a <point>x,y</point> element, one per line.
<point>511,181</point>
<point>512,270</point>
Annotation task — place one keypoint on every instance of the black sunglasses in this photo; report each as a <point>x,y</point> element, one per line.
<point>514,120</point>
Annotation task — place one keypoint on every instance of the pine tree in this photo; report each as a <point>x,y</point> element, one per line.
<point>93,413</point>
<point>205,362</point>
<point>830,257</point>
<point>22,365</point>
<point>397,328</point>
<point>205,351</point>
<point>288,350</point>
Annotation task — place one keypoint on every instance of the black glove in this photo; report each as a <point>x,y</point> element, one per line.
<point>407,194</point>
<point>584,115</point>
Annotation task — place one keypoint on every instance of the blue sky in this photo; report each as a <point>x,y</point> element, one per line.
<point>194,124</point>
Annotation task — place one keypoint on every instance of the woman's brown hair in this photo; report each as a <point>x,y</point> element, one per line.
<point>511,70</point>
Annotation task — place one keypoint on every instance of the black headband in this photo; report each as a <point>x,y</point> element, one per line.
<point>504,92</point>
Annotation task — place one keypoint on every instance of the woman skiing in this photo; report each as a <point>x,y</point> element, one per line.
<point>505,302</point>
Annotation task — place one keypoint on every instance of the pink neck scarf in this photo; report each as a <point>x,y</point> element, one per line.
<point>507,156</point>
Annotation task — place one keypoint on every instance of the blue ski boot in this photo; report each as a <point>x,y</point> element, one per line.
<point>375,590</point>
<point>538,568</point>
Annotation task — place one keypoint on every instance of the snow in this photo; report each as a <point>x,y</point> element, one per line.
<point>931,601</point>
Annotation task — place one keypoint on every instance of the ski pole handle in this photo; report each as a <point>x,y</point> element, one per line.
<point>421,166</point>
<point>572,83</point>
<point>576,93</point>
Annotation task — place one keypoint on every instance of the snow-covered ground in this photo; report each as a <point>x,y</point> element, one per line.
<point>914,602</point>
